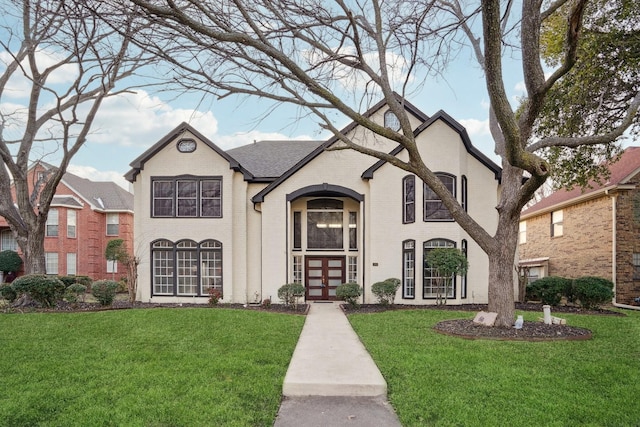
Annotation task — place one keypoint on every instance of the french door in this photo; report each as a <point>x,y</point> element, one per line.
<point>323,275</point>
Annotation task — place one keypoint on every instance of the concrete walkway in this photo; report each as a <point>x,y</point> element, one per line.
<point>332,380</point>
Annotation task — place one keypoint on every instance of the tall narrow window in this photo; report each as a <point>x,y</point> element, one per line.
<point>71,223</point>
<point>187,267</point>
<point>431,283</point>
<point>463,197</point>
<point>408,199</point>
<point>352,269</point>
<point>556,223</point>
<point>211,262</point>
<point>162,262</point>
<point>297,269</point>
<point>353,230</point>
<point>522,232</point>
<point>463,284</point>
<point>71,264</point>
<point>187,198</point>
<point>409,269</point>
<point>297,230</point>
<point>113,224</point>
<point>636,266</point>
<point>51,262</point>
<point>162,199</point>
<point>52,223</point>
<point>434,209</point>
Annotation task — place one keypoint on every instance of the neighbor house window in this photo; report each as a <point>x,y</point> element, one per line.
<point>434,209</point>
<point>636,266</point>
<point>51,262</point>
<point>556,223</point>
<point>186,268</point>
<point>113,224</point>
<point>8,242</point>
<point>433,284</point>
<point>324,224</point>
<point>522,234</point>
<point>52,223</point>
<point>71,264</point>
<point>112,266</point>
<point>408,199</point>
<point>71,223</point>
<point>187,197</point>
<point>409,269</point>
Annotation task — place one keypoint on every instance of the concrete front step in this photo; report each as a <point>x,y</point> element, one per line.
<point>330,359</point>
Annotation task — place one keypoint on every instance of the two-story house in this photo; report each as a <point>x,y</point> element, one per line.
<point>83,217</point>
<point>248,220</point>
<point>590,232</point>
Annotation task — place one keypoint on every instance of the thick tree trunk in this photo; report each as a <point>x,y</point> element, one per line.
<point>501,282</point>
<point>32,247</point>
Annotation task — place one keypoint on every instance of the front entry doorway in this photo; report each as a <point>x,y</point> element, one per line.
<point>323,275</point>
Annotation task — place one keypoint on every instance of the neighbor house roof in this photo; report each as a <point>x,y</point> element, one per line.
<point>621,171</point>
<point>268,160</point>
<point>101,195</point>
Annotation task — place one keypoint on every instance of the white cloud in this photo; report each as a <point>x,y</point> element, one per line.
<point>475,127</point>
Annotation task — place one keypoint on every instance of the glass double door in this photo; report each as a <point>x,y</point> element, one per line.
<point>323,275</point>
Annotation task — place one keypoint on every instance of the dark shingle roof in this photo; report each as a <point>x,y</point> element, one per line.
<point>104,195</point>
<point>621,172</point>
<point>271,159</point>
<point>65,201</point>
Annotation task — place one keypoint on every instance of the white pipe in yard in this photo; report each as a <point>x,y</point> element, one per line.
<point>628,307</point>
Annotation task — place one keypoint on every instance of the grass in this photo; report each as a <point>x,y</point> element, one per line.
<point>437,380</point>
<point>155,367</point>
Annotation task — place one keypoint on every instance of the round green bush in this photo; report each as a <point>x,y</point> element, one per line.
<point>290,293</point>
<point>46,290</point>
<point>74,291</point>
<point>549,290</point>
<point>592,292</point>
<point>7,292</point>
<point>349,292</point>
<point>10,261</point>
<point>385,291</point>
<point>104,291</point>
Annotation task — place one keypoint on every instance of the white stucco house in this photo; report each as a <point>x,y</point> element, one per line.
<point>250,219</point>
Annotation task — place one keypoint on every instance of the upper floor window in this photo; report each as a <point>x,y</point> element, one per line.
<point>434,209</point>
<point>325,224</point>
<point>187,197</point>
<point>52,223</point>
<point>113,224</point>
<point>408,199</point>
<point>71,223</point>
<point>353,230</point>
<point>522,234</point>
<point>391,121</point>
<point>463,198</point>
<point>557,218</point>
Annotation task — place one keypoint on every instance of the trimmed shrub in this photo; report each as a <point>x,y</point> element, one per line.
<point>84,280</point>
<point>67,280</point>
<point>215,295</point>
<point>104,291</point>
<point>74,291</point>
<point>349,292</point>
<point>10,261</point>
<point>549,290</point>
<point>386,291</point>
<point>46,290</point>
<point>591,292</point>
<point>7,292</point>
<point>290,293</point>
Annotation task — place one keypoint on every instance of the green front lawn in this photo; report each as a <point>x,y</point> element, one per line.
<point>437,380</point>
<point>153,367</point>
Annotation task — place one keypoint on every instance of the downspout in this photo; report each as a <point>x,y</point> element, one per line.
<point>614,253</point>
<point>255,208</point>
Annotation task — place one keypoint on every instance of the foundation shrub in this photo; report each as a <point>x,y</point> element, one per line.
<point>45,290</point>
<point>104,291</point>
<point>385,291</point>
<point>7,292</point>
<point>75,292</point>
<point>290,293</point>
<point>549,290</point>
<point>591,292</point>
<point>215,295</point>
<point>349,292</point>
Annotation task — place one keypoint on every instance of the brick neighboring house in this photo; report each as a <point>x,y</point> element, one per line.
<point>83,217</point>
<point>595,232</point>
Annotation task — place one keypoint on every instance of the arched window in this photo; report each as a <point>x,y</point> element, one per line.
<point>434,209</point>
<point>431,283</point>
<point>186,268</point>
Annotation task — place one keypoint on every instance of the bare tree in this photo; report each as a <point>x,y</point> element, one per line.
<point>65,62</point>
<point>306,53</point>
